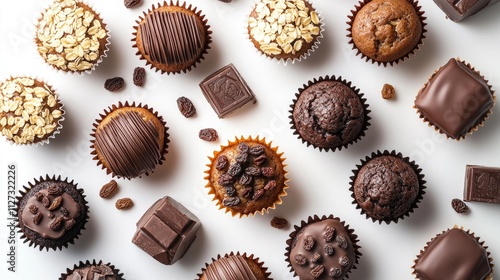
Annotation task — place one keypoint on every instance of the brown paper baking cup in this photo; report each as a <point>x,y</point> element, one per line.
<point>69,40</point>
<point>255,186</point>
<point>417,199</point>
<point>100,160</point>
<point>117,274</point>
<point>298,229</point>
<point>333,148</point>
<point>477,125</point>
<point>20,127</point>
<point>468,232</point>
<point>256,265</point>
<point>350,21</point>
<point>34,238</point>
<point>174,67</point>
<point>307,48</point>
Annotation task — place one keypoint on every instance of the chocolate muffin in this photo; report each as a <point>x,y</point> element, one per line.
<point>235,267</point>
<point>172,38</point>
<point>329,114</point>
<point>51,212</point>
<point>386,31</point>
<point>387,186</point>
<point>322,248</point>
<point>92,270</point>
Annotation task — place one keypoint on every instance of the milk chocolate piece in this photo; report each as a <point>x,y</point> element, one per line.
<point>458,10</point>
<point>166,230</point>
<point>226,90</point>
<point>482,184</point>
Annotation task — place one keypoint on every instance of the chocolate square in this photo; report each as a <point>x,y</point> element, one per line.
<point>458,10</point>
<point>456,99</point>
<point>226,90</point>
<point>482,184</point>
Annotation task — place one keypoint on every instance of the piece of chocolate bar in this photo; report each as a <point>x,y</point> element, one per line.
<point>226,90</point>
<point>166,230</point>
<point>482,184</point>
<point>458,10</point>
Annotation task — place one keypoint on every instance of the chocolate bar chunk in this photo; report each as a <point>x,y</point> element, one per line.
<point>226,90</point>
<point>166,230</point>
<point>482,184</point>
<point>458,10</point>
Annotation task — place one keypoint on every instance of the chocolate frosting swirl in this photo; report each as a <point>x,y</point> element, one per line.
<point>171,37</point>
<point>129,144</point>
<point>229,268</point>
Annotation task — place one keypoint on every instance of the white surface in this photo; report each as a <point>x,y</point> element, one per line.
<point>319,180</point>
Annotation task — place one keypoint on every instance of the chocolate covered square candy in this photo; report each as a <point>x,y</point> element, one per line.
<point>482,184</point>
<point>166,230</point>
<point>458,10</point>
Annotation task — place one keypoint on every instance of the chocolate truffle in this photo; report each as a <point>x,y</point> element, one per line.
<point>172,38</point>
<point>482,184</point>
<point>459,10</point>
<point>129,141</point>
<point>454,254</point>
<point>51,212</point>
<point>92,270</point>
<point>166,231</point>
<point>456,99</point>
<point>387,186</point>
<point>235,267</point>
<point>329,114</point>
<point>387,31</point>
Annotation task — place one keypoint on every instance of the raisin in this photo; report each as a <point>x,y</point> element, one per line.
<point>225,180</point>
<point>208,134</point>
<point>55,203</point>
<point>54,190</point>
<point>329,249</point>
<point>186,107</point>
<point>279,223</point>
<point>45,202</point>
<point>388,91</point>
<point>260,160</point>
<point>139,76</point>
<point>317,271</point>
<point>335,272</point>
<point>309,243</point>
<point>130,4</point>
<point>344,261</point>
<point>221,162</point>
<point>231,191</point>
<point>57,224</point>
<point>267,171</point>
<point>108,189</point>
<point>252,171</point>
<point>124,203</point>
<point>39,196</point>
<point>328,235</point>
<point>33,209</point>
<point>243,147</point>
<point>231,201</point>
<point>234,170</point>
<point>52,216</point>
<point>459,206</point>
<point>300,259</point>
<point>114,84</point>
<point>69,224</point>
<point>37,218</point>
<point>342,241</point>
<point>315,258</point>
<point>64,211</point>
<point>257,150</point>
<point>258,194</point>
<point>242,158</point>
<point>246,192</point>
<point>245,179</point>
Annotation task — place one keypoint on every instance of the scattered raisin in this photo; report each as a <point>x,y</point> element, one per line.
<point>267,171</point>
<point>300,259</point>
<point>459,206</point>
<point>258,194</point>
<point>69,224</point>
<point>242,158</point>
<point>309,243</point>
<point>124,203</point>
<point>279,223</point>
<point>108,189</point>
<point>317,271</point>
<point>257,150</point>
<point>57,224</point>
<point>231,201</point>
<point>114,84</point>
<point>225,180</point>
<point>342,241</point>
<point>221,162</point>
<point>130,4</point>
<point>234,170</point>
<point>139,76</point>
<point>315,258</point>
<point>33,209</point>
<point>260,160</point>
<point>328,235</point>
<point>37,218</point>
<point>186,107</point>
<point>208,134</point>
<point>270,185</point>
<point>252,171</point>
<point>335,272</point>
<point>329,249</point>
<point>388,91</point>
<point>344,261</point>
<point>243,147</point>
<point>231,191</point>
<point>54,190</point>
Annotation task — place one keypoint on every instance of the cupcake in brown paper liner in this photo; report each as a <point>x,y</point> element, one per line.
<point>322,248</point>
<point>172,38</point>
<point>129,140</point>
<point>92,270</point>
<point>329,114</point>
<point>386,31</point>
<point>284,31</point>
<point>71,36</point>
<point>456,100</point>
<point>30,111</point>
<point>51,212</point>
<point>454,254</point>
<point>247,176</point>
<point>235,266</point>
<point>387,186</point>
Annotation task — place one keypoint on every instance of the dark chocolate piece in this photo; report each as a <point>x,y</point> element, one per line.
<point>166,230</point>
<point>456,99</point>
<point>458,10</point>
<point>226,90</point>
<point>482,184</point>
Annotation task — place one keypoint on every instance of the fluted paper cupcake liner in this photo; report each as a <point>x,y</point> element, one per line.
<point>117,274</point>
<point>251,259</point>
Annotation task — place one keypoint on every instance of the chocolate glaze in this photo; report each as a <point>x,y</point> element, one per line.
<point>458,10</point>
<point>229,268</point>
<point>129,145</point>
<point>456,255</point>
<point>482,184</point>
<point>101,272</point>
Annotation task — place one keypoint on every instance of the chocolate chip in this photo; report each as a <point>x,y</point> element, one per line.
<point>139,76</point>
<point>309,243</point>
<point>186,107</point>
<point>114,84</point>
<point>208,134</point>
<point>221,163</point>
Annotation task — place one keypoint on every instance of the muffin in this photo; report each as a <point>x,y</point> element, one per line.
<point>129,141</point>
<point>386,31</point>
<point>322,248</point>
<point>235,267</point>
<point>30,111</point>
<point>284,30</point>
<point>454,254</point>
<point>328,113</point>
<point>92,270</point>
<point>247,176</point>
<point>172,38</point>
<point>51,212</point>
<point>456,100</point>
<point>71,36</point>
<point>387,186</point>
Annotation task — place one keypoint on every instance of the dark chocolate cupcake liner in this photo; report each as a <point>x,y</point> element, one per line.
<point>367,112</point>
<point>421,16</point>
<point>490,259</point>
<point>30,236</point>
<point>478,124</point>
<point>314,219</point>
<point>250,257</point>
<point>414,166</point>
<point>218,201</point>
<point>117,274</point>
<point>191,8</point>
<point>110,110</point>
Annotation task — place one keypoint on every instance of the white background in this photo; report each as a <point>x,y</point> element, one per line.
<point>319,181</point>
